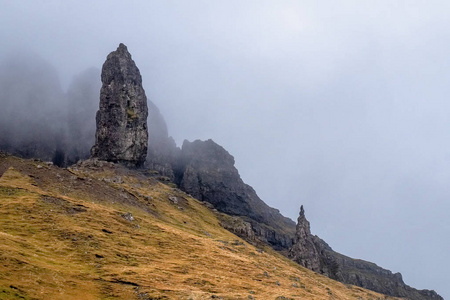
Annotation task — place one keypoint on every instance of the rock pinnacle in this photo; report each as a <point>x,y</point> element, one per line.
<point>122,134</point>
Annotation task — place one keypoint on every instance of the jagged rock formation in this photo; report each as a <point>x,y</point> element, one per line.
<point>122,134</point>
<point>313,253</point>
<point>304,252</point>
<point>370,276</point>
<point>207,172</point>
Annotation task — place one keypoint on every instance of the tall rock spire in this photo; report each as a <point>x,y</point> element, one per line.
<point>122,134</point>
<point>303,251</point>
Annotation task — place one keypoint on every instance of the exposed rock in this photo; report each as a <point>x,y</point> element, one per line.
<point>128,216</point>
<point>312,252</point>
<point>370,276</point>
<point>239,227</point>
<point>304,252</point>
<point>207,172</point>
<point>122,134</point>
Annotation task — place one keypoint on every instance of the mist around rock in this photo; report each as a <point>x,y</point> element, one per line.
<point>40,120</point>
<point>122,132</point>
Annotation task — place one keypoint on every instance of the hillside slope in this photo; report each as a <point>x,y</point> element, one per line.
<point>100,231</point>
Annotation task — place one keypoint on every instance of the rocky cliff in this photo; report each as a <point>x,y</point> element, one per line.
<point>206,171</point>
<point>122,134</point>
<point>313,253</point>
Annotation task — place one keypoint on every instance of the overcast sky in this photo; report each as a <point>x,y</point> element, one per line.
<point>342,106</point>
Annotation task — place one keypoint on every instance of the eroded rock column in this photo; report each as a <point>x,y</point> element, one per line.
<point>122,134</point>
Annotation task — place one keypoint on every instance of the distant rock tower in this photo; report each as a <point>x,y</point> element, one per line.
<point>304,251</point>
<point>122,134</point>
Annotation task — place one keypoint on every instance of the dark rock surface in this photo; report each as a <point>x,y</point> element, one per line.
<point>206,171</point>
<point>122,134</point>
<point>312,252</point>
<point>304,251</point>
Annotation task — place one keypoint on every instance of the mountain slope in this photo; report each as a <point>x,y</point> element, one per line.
<point>100,231</point>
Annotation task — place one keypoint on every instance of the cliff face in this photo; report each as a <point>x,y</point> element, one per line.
<point>313,253</point>
<point>206,171</point>
<point>122,134</point>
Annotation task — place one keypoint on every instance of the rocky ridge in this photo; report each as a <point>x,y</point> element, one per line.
<point>313,253</point>
<point>206,171</point>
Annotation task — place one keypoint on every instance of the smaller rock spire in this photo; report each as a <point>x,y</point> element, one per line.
<point>303,251</point>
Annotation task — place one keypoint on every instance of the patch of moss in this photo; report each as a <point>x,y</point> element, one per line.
<point>131,113</point>
<point>12,292</point>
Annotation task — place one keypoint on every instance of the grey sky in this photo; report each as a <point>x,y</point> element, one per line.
<point>341,106</point>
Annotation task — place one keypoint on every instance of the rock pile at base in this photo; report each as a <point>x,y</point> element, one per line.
<point>122,134</point>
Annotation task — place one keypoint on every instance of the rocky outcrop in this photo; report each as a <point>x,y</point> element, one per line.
<point>206,171</point>
<point>304,251</point>
<point>122,134</point>
<point>370,276</point>
<point>313,253</point>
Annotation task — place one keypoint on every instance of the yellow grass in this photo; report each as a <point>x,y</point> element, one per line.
<point>62,238</point>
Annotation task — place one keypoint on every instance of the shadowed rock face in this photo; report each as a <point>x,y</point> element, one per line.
<point>207,172</point>
<point>122,134</point>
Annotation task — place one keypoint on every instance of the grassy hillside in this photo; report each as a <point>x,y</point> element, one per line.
<point>100,231</point>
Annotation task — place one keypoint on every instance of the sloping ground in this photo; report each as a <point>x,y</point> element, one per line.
<point>99,231</point>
